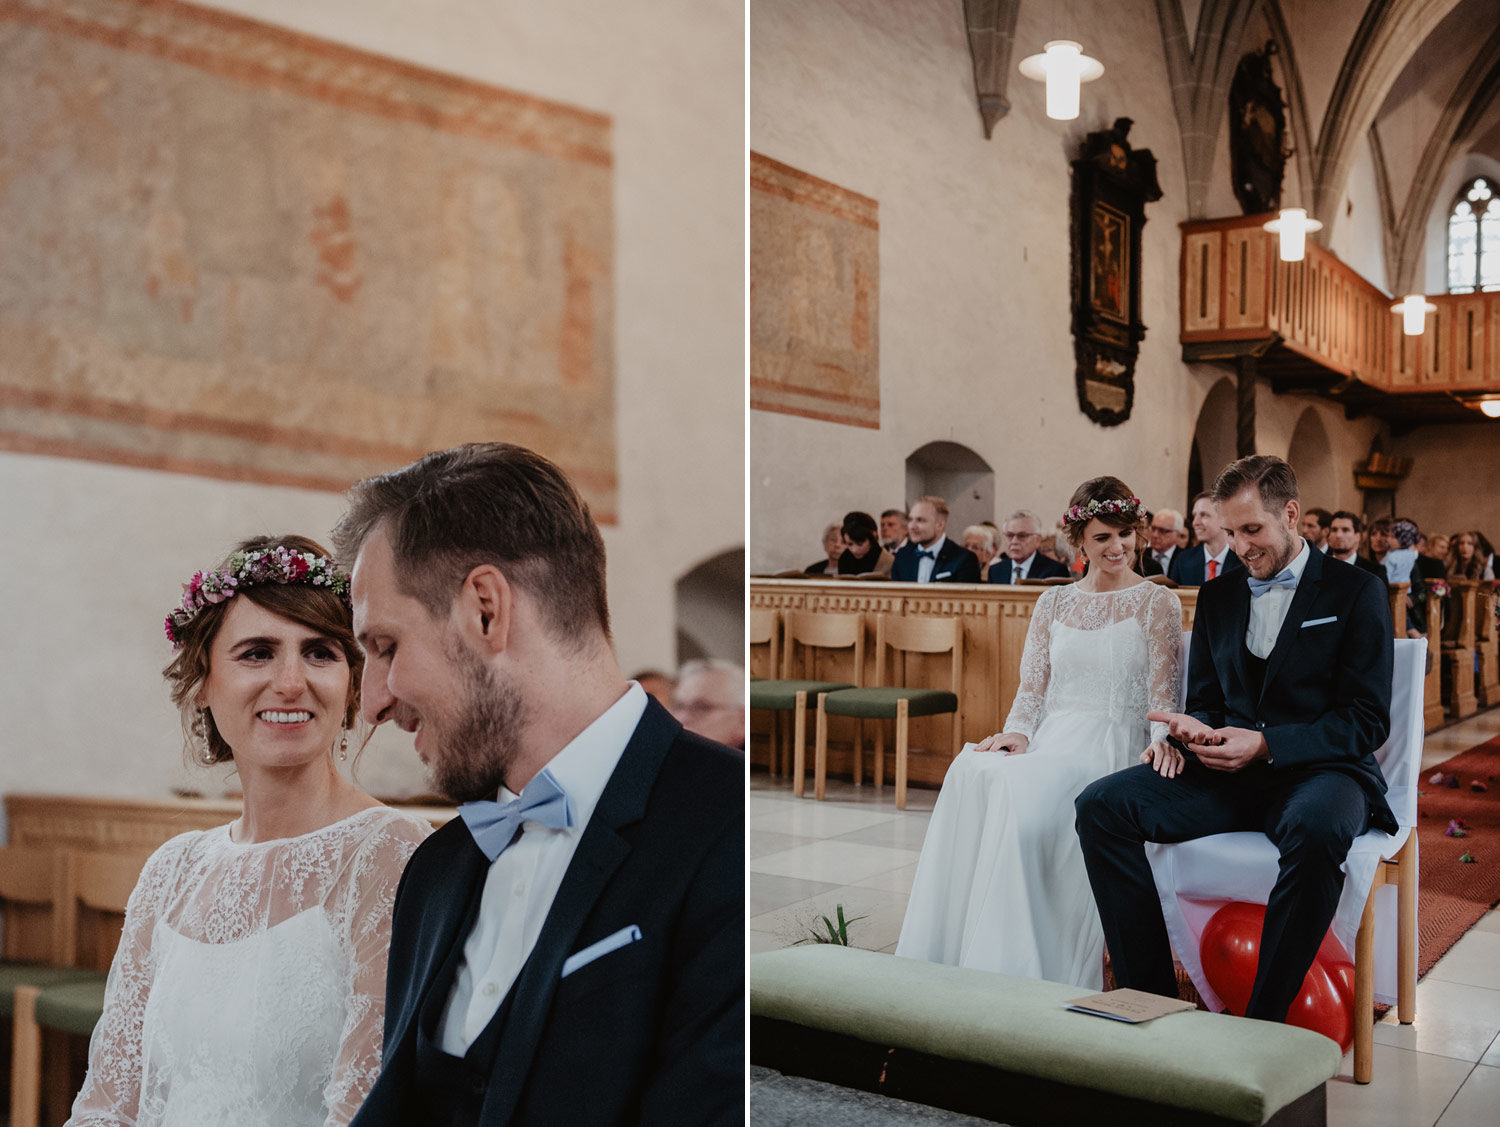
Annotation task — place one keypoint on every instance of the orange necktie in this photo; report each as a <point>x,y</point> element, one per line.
<point>1213,568</point>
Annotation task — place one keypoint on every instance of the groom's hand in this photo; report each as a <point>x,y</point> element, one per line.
<point>1184,728</point>
<point>1232,749</point>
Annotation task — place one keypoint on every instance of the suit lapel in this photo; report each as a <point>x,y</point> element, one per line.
<point>1239,622</point>
<point>600,853</point>
<point>1307,590</point>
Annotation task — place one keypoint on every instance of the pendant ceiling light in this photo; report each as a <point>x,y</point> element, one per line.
<point>1490,407</point>
<point>1293,225</point>
<point>1062,66</point>
<point>1413,309</point>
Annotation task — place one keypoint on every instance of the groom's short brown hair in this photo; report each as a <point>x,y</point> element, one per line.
<point>1270,476</point>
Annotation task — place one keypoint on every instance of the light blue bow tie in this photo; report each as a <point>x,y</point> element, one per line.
<point>495,824</point>
<point>930,553</point>
<point>1283,578</point>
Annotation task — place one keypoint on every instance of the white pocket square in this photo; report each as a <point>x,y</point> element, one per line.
<point>621,938</point>
<point>1320,621</point>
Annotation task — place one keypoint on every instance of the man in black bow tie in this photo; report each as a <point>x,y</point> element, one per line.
<point>929,556</point>
<point>570,948</point>
<point>1289,693</point>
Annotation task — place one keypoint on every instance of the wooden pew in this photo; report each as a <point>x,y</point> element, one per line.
<point>1486,647</point>
<point>1432,684</point>
<point>1458,647</point>
<point>1398,606</point>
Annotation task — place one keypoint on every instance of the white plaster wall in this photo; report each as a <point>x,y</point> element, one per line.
<point>1358,236</point>
<point>92,556</point>
<point>1454,483</point>
<point>975,345</point>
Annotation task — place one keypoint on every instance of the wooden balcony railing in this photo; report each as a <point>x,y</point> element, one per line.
<point>1320,326</point>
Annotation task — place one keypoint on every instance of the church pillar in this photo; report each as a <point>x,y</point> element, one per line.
<point>1244,422</point>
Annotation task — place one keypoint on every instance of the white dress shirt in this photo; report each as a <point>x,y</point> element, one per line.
<point>925,565</point>
<point>524,879</point>
<point>1268,612</point>
<point>1018,570</point>
<point>1165,558</point>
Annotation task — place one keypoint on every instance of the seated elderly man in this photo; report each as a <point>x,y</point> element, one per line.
<point>709,700</point>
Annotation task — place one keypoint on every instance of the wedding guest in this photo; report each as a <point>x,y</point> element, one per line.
<point>1486,552</point>
<point>863,554</point>
<point>1280,730</point>
<point>1213,556</point>
<point>893,529</point>
<point>1185,538</point>
<point>710,700</point>
<point>249,984</point>
<point>833,548</point>
<point>1437,548</point>
<point>929,556</point>
<point>1380,542</point>
<point>1314,528</point>
<point>1467,561</point>
<point>1343,542</point>
<point>1163,531</point>
<point>1023,535</point>
<point>980,539</point>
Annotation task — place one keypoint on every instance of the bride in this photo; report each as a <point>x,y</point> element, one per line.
<point>1000,885</point>
<point>249,984</point>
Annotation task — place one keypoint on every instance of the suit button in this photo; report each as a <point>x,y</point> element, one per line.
<point>1260,723</point>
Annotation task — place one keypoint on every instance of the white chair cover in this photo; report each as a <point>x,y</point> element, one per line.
<point>1196,878</point>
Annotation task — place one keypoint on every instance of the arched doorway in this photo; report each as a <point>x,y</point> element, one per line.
<point>1213,437</point>
<point>1311,456</point>
<point>711,609</point>
<point>959,476</point>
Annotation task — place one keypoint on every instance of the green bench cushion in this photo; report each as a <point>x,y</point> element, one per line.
<point>880,703</point>
<point>32,974</point>
<point>1241,1069</point>
<point>74,1007</point>
<point>781,696</point>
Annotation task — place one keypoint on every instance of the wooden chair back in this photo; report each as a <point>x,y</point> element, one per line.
<point>822,630</point>
<point>29,879</point>
<point>91,909</point>
<point>1398,606</point>
<point>920,633</point>
<point>765,630</point>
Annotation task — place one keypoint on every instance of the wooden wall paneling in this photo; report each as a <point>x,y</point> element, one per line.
<point>1468,342</point>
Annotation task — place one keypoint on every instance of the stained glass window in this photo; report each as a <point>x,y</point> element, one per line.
<point>1474,239</point>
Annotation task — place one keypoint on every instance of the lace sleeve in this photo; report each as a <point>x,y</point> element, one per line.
<point>1164,645</point>
<point>1036,668</point>
<point>111,1091</point>
<point>364,919</point>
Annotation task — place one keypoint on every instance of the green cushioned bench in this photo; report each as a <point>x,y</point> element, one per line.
<point>1006,1048</point>
<point>73,1007</point>
<point>32,974</point>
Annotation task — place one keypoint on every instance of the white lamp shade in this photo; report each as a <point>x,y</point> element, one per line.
<point>1293,227</point>
<point>1413,308</point>
<point>1491,407</point>
<point>1063,67</point>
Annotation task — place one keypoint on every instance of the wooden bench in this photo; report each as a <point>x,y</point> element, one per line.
<point>1006,1049</point>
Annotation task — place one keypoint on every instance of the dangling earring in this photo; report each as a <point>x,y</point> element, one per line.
<point>200,736</point>
<point>344,746</point>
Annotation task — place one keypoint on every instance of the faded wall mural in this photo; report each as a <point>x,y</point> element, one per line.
<point>232,250</point>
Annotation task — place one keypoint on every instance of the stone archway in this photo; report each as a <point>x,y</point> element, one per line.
<point>1214,432</point>
<point>958,475</point>
<point>1311,456</point>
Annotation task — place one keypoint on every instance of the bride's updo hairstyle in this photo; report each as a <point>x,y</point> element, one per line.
<point>1106,499</point>
<point>316,607</point>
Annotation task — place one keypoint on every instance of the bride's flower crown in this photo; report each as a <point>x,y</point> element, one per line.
<point>251,569</point>
<point>1082,514</point>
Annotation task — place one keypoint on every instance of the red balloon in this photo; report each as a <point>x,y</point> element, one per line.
<point>1230,951</point>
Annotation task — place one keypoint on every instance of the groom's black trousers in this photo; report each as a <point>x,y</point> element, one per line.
<point>1311,816</point>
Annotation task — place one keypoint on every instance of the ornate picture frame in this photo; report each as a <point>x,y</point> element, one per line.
<point>1112,183</point>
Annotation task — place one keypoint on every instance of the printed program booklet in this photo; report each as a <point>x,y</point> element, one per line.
<point>1133,1006</point>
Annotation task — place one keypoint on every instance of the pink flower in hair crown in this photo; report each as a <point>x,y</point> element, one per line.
<point>253,569</point>
<point>1082,514</point>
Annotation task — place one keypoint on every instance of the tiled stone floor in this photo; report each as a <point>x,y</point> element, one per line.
<point>858,850</point>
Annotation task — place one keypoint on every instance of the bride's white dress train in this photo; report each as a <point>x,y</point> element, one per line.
<point>1000,885</point>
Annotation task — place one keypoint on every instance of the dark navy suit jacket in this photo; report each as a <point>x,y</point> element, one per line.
<point>652,1032</point>
<point>1325,702</point>
<point>1042,567</point>
<point>955,564</point>
<point>1190,566</point>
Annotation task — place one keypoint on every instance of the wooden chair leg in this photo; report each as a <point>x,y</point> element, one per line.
<point>1406,932</point>
<point>820,756</point>
<point>773,752</point>
<point>25,1060</point>
<point>799,743</point>
<point>879,754</point>
<point>1364,994</point>
<point>901,717</point>
<point>859,753</point>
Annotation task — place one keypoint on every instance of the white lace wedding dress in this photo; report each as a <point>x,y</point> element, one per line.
<point>249,986</point>
<point>1000,884</point>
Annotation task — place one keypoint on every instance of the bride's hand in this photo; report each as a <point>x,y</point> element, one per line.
<point>1165,758</point>
<point>1012,743</point>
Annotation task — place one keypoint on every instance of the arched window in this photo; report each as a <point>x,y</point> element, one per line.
<point>1474,238</point>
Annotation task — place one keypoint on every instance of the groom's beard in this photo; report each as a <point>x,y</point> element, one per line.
<point>470,759</point>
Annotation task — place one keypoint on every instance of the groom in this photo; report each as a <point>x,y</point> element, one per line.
<point>1289,688</point>
<point>575,952</point>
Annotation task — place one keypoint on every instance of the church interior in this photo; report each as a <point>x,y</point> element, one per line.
<point>927,317</point>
